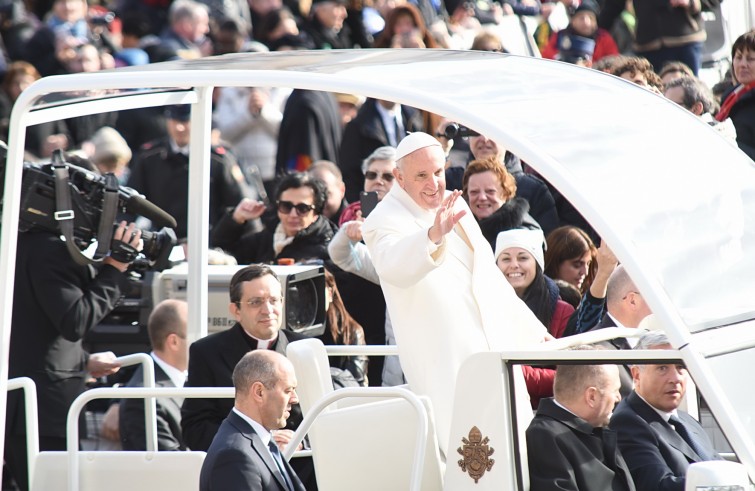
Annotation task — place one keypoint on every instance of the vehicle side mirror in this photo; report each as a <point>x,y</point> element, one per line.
<point>717,475</point>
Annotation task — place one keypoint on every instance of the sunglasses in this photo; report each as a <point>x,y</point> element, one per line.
<point>285,207</point>
<point>371,176</point>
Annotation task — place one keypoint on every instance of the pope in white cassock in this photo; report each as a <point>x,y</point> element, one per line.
<point>446,297</point>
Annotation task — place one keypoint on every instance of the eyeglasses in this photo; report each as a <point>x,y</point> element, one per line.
<point>371,176</point>
<point>285,207</point>
<point>257,302</point>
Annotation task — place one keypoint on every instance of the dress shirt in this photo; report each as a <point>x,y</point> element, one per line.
<point>178,377</point>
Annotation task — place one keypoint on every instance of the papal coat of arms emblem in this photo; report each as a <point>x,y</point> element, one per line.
<point>476,453</point>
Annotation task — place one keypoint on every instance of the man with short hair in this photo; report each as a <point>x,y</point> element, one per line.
<point>658,440</point>
<point>160,171</point>
<point>568,444</point>
<point>326,27</point>
<point>167,335</point>
<point>694,96</point>
<point>445,297</point>
<point>256,304</point>
<point>624,307</point>
<point>186,34</point>
<point>244,455</point>
<point>330,175</point>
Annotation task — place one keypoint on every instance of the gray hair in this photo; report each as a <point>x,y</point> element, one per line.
<point>652,340</point>
<point>381,153</point>
<point>694,91</point>
<point>256,366</point>
<point>186,9</point>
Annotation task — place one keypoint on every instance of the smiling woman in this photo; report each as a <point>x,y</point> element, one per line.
<point>302,232</point>
<point>739,103</point>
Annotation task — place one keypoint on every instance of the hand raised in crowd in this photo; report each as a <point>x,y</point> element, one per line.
<point>445,218</point>
<point>125,247</point>
<point>102,364</point>
<point>248,209</point>
<point>257,100</point>
<point>607,263</point>
<point>353,230</point>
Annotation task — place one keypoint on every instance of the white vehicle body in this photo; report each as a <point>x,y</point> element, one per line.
<point>675,201</point>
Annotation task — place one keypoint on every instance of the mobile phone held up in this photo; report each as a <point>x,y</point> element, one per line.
<point>369,200</point>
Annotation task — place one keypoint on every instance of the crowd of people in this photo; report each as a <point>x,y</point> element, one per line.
<point>296,176</point>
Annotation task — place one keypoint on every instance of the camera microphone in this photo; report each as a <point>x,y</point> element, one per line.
<point>138,205</point>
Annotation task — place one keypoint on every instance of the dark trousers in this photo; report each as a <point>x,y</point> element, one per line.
<point>16,463</point>
<point>689,54</point>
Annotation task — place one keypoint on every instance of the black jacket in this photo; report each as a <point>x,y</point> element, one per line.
<point>363,135</point>
<point>310,131</point>
<point>537,194</point>
<point>512,214</point>
<point>655,453</point>
<point>566,452</point>
<point>257,247</point>
<point>743,116</point>
<point>211,363</point>
<point>131,416</point>
<point>55,303</point>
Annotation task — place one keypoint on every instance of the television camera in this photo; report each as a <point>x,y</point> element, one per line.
<point>82,205</point>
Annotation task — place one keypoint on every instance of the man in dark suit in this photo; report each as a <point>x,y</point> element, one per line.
<point>377,124</point>
<point>56,302</point>
<point>167,335</point>
<point>568,444</point>
<point>256,301</point>
<point>658,440</point>
<point>244,455</point>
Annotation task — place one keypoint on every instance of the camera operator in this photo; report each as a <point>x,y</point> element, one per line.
<point>56,301</point>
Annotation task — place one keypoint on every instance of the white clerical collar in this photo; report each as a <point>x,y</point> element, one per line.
<point>663,414</point>
<point>263,433</point>
<point>263,343</point>
<point>178,377</point>
<point>565,408</point>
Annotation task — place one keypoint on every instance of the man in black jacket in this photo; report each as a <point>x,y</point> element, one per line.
<point>56,302</point>
<point>568,444</point>
<point>256,301</point>
<point>160,171</point>
<point>659,440</point>
<point>167,335</point>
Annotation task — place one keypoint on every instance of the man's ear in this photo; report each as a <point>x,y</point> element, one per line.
<point>697,108</point>
<point>635,373</point>
<point>399,177</point>
<point>591,394</point>
<point>235,311</point>
<point>257,391</point>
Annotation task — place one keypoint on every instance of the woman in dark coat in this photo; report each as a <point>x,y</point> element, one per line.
<point>739,102</point>
<point>300,231</point>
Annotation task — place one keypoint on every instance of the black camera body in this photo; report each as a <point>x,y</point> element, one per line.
<point>452,130</point>
<point>87,195</point>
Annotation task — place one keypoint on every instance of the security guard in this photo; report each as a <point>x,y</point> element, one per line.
<point>160,171</point>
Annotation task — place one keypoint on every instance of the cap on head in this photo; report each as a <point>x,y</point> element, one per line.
<point>588,6</point>
<point>413,142</point>
<point>181,112</point>
<point>572,47</point>
<point>530,240</point>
